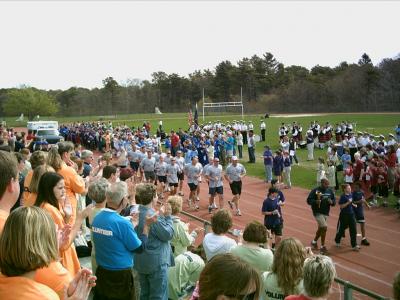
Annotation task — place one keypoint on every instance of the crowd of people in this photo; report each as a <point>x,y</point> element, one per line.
<point>123,210</point>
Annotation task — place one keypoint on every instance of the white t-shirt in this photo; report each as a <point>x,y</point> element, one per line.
<point>217,244</point>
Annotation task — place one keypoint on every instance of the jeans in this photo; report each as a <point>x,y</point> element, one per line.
<point>268,173</point>
<point>154,286</point>
<point>240,149</point>
<point>252,157</point>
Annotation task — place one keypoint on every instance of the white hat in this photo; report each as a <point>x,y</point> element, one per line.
<point>234,158</point>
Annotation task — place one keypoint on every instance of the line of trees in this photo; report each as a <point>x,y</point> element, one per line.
<point>266,84</point>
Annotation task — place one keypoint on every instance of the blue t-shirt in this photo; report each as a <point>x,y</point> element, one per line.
<point>230,141</point>
<point>115,240</point>
<point>268,206</point>
<point>349,208</point>
<point>269,158</point>
<point>357,196</point>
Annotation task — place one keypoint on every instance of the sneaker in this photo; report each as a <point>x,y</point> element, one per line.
<point>181,194</point>
<point>238,213</point>
<point>189,203</point>
<point>209,209</point>
<point>314,245</point>
<point>323,250</point>
<point>197,198</point>
<point>230,204</point>
<point>356,248</point>
<point>364,242</point>
<point>337,245</point>
<point>214,206</point>
<point>197,207</point>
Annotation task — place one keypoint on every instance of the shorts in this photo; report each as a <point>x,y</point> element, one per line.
<point>150,175</point>
<point>216,190</point>
<point>162,179</point>
<point>173,184</point>
<point>275,229</point>
<point>192,186</point>
<point>181,176</point>
<point>322,220</point>
<point>236,187</point>
<point>229,153</point>
<point>134,165</point>
<point>359,216</point>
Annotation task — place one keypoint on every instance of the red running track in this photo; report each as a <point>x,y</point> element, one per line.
<point>373,268</point>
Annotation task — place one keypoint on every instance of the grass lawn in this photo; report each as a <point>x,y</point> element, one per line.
<point>303,175</point>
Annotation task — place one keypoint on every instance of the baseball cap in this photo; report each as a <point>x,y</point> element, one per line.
<point>234,158</point>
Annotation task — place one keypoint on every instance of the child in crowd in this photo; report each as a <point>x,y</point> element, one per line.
<point>272,216</point>
<point>330,174</point>
<point>348,174</point>
<point>320,169</point>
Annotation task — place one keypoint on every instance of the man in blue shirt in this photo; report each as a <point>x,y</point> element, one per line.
<point>115,240</point>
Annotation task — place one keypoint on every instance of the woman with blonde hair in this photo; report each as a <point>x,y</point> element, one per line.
<point>60,159</point>
<point>319,274</point>
<point>34,185</point>
<point>286,277</point>
<point>52,198</point>
<point>33,233</point>
<point>181,238</point>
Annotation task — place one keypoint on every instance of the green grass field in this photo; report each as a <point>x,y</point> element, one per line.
<point>303,175</point>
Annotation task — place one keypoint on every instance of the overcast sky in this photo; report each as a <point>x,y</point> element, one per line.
<point>56,45</point>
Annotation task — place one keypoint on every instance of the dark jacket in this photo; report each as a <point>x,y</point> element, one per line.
<point>325,206</point>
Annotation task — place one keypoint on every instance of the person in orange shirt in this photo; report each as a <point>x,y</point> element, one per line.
<point>38,158</point>
<point>33,186</point>
<point>9,185</point>
<point>60,159</point>
<point>36,241</point>
<point>53,198</point>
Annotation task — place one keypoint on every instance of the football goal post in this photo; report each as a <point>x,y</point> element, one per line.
<point>220,105</point>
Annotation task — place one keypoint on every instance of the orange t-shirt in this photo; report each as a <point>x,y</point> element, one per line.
<point>55,276</point>
<point>27,183</point>
<point>73,184</point>
<point>18,287</point>
<point>3,218</point>
<point>69,258</point>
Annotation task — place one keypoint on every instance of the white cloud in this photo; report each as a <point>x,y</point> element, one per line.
<point>63,44</point>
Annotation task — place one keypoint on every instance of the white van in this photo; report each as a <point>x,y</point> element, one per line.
<point>36,125</point>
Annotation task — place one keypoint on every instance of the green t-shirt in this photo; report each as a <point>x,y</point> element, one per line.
<point>258,257</point>
<point>272,291</point>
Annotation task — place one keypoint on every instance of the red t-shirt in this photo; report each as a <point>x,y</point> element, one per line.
<point>174,140</point>
<point>297,297</point>
<point>357,168</point>
<point>391,160</point>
